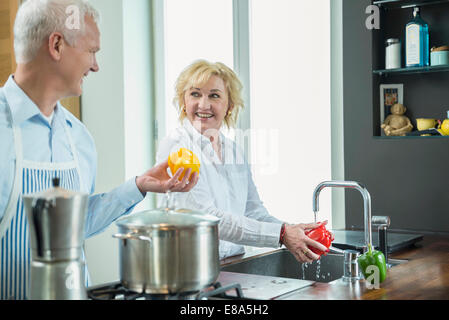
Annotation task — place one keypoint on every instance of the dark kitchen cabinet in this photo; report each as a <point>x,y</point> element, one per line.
<point>406,177</point>
<point>425,89</point>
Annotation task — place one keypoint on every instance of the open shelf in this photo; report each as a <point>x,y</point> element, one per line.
<point>409,137</point>
<point>401,4</point>
<point>411,70</point>
<point>425,91</point>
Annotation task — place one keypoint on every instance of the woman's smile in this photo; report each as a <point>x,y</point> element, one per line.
<point>204,116</point>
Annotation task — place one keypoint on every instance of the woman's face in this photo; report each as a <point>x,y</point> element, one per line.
<point>206,107</point>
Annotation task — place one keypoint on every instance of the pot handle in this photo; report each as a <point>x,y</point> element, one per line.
<point>132,236</point>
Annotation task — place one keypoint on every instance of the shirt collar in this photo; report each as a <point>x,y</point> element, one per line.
<point>204,144</point>
<point>196,136</point>
<point>60,114</point>
<point>22,107</point>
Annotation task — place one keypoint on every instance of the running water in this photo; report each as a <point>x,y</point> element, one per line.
<point>331,248</point>
<point>317,266</point>
<point>304,267</point>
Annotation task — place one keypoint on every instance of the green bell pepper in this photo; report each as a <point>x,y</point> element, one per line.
<point>373,258</point>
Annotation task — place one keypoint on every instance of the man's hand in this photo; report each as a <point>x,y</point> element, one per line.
<point>297,242</point>
<point>157,180</point>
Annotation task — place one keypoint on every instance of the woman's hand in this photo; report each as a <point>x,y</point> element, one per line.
<point>296,241</point>
<point>157,180</point>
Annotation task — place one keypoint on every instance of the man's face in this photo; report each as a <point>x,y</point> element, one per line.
<point>79,60</point>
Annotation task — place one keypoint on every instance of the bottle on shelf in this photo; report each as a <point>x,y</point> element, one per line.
<point>392,54</point>
<point>417,41</point>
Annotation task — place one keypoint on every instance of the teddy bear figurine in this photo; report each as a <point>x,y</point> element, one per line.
<point>396,124</point>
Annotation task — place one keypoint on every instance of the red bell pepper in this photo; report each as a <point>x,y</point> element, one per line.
<point>321,235</point>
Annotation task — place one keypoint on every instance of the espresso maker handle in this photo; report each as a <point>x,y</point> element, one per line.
<point>38,208</point>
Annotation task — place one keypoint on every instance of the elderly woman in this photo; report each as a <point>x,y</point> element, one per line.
<point>208,96</point>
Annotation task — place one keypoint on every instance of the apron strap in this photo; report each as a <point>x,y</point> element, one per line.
<point>73,150</point>
<point>17,184</point>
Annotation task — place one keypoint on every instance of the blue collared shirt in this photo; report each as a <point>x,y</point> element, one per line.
<point>45,142</point>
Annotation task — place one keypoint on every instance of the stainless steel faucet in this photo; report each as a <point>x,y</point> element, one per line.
<point>382,222</point>
<point>366,203</point>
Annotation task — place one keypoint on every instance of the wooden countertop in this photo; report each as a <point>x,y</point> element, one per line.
<point>425,276</point>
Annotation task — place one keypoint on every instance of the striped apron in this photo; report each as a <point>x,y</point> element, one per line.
<point>30,177</point>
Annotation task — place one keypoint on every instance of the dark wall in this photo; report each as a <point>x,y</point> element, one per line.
<point>408,178</point>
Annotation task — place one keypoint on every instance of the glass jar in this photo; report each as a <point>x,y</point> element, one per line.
<point>393,54</point>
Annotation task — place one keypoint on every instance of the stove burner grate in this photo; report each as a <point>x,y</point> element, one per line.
<point>116,291</point>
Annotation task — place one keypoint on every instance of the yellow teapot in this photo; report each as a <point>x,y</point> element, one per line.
<point>444,128</point>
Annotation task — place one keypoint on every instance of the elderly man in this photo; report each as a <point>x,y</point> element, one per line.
<point>40,139</point>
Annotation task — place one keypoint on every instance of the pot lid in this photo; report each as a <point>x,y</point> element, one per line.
<point>56,192</point>
<point>167,218</point>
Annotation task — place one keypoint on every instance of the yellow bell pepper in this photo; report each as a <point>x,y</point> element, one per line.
<point>183,158</point>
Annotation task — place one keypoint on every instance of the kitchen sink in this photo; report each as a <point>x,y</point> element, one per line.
<point>281,263</point>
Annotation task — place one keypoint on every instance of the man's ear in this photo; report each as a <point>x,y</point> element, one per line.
<point>56,45</point>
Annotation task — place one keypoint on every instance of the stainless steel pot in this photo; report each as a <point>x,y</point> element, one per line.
<point>167,251</point>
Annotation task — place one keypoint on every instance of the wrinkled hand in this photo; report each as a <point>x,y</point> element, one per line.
<point>296,241</point>
<point>157,180</point>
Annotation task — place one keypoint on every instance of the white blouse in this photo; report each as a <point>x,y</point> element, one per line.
<point>226,190</point>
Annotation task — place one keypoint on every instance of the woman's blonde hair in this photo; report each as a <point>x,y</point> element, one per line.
<point>197,74</point>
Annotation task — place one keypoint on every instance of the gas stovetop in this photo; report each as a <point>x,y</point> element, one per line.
<point>116,291</point>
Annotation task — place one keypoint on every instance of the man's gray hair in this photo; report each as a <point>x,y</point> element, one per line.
<point>36,20</point>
